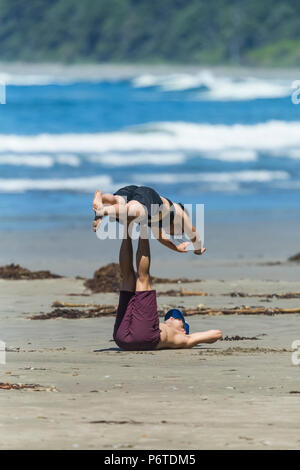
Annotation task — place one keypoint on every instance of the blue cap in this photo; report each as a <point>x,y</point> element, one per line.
<point>175,313</point>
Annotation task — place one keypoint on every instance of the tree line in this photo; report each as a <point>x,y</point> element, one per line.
<point>246,32</point>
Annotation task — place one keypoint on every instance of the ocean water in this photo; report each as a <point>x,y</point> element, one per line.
<point>231,144</point>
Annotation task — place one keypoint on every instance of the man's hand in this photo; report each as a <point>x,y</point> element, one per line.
<point>200,252</point>
<point>182,247</point>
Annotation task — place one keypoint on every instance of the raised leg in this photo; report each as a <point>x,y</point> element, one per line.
<point>128,277</point>
<point>143,262</point>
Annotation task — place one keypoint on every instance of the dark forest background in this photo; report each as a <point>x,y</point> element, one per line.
<point>245,32</point>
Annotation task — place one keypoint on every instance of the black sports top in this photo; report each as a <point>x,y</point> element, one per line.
<point>172,214</point>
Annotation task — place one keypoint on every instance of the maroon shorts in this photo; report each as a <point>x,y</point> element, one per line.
<point>137,324</point>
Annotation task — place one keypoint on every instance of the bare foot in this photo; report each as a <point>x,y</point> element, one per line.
<point>98,207</point>
<point>97,202</point>
<point>200,251</point>
<point>182,247</point>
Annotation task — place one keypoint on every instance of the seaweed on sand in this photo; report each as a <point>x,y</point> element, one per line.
<point>72,313</point>
<point>287,295</point>
<point>108,278</point>
<point>295,258</point>
<point>17,272</point>
<point>35,387</point>
<point>68,311</point>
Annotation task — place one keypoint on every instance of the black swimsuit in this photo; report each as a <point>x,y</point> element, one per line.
<point>149,198</point>
<point>172,214</point>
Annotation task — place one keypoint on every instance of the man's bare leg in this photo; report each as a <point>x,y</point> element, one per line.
<point>143,262</point>
<point>128,277</point>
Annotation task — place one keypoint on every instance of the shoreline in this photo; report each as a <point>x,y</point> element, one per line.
<point>124,71</point>
<point>236,248</point>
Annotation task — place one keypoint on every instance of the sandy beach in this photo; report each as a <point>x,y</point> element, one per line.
<point>238,394</point>
<point>229,140</point>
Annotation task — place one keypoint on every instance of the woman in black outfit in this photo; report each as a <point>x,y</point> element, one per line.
<point>143,204</point>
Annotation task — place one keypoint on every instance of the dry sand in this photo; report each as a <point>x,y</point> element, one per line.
<point>229,395</point>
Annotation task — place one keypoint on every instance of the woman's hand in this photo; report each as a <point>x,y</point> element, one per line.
<point>200,251</point>
<point>182,247</point>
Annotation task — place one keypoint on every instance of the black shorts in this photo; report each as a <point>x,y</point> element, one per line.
<point>137,323</point>
<point>146,196</point>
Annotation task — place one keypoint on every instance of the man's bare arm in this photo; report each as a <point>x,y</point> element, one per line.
<point>210,336</point>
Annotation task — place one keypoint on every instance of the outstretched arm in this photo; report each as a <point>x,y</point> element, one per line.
<point>192,234</point>
<point>210,336</point>
<point>160,235</point>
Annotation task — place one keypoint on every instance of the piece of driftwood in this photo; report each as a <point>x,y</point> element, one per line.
<point>108,279</point>
<point>35,387</point>
<point>245,310</point>
<point>287,295</point>
<point>67,310</point>
<point>270,263</point>
<point>169,280</point>
<point>182,293</point>
<point>57,303</point>
<point>17,272</point>
<point>72,313</point>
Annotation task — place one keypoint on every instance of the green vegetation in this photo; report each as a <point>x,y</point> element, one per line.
<point>247,32</point>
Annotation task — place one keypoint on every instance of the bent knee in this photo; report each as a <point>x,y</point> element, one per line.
<point>143,282</point>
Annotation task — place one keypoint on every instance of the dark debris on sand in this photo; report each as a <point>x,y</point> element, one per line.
<point>35,387</point>
<point>68,311</point>
<point>72,313</point>
<point>295,258</point>
<point>108,278</point>
<point>243,310</point>
<point>241,338</point>
<point>105,279</point>
<point>287,295</point>
<point>17,272</point>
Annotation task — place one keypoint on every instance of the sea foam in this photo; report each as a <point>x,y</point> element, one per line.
<point>86,184</point>
<point>216,88</point>
<point>225,142</point>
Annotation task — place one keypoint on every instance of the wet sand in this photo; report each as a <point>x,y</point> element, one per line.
<point>228,395</point>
